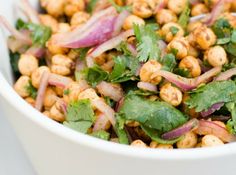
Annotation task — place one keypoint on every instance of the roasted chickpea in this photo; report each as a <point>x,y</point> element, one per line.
<point>61,64</point>
<point>192,65</point>
<point>73,6</point>
<point>79,18</point>
<point>180,45</point>
<point>199,9</point>
<point>165,146</point>
<point>30,100</point>
<point>216,56</point>
<point>59,91</point>
<point>193,25</point>
<point>37,74</point>
<point>189,141</point>
<point>220,124</point>
<point>153,144</point>
<point>171,30</point>
<point>171,94</point>
<point>141,9</point>
<point>211,140</point>
<point>50,98</point>
<point>49,21</point>
<point>177,6</point>
<point>53,7</point>
<point>204,37</point>
<point>165,16</point>
<point>56,112</point>
<point>148,70</point>
<point>193,51</point>
<point>21,86</point>
<point>63,27</point>
<point>88,94</point>
<point>46,113</point>
<point>139,143</point>
<point>27,64</point>
<point>131,20</point>
<point>233,5</point>
<point>55,49</point>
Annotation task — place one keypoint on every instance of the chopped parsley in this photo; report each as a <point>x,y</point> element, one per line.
<point>31,90</point>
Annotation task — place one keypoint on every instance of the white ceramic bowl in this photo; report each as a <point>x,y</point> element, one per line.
<point>57,150</point>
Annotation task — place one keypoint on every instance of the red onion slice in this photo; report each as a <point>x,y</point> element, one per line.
<point>147,86</point>
<point>207,127</point>
<point>132,49</point>
<point>98,29</point>
<point>30,12</point>
<point>41,91</point>
<point>188,83</point>
<point>226,75</point>
<point>101,122</point>
<point>110,90</point>
<point>190,125</point>
<point>212,109</point>
<point>18,35</point>
<point>36,51</point>
<point>59,80</point>
<point>119,22</point>
<point>119,104</point>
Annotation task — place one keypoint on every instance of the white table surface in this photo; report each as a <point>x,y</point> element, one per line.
<point>13,160</point>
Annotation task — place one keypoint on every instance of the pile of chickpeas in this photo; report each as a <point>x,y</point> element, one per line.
<point>199,44</point>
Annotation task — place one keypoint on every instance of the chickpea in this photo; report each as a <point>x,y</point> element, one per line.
<point>189,141</point>
<point>199,9</point>
<point>132,19</point>
<point>74,89</point>
<point>53,7</point>
<point>153,144</point>
<point>192,65</point>
<point>139,143</point>
<point>220,124</point>
<point>181,45</point>
<point>63,27</point>
<point>193,25</point>
<point>61,64</point>
<point>211,140</point>
<point>50,98</point>
<point>204,37</point>
<point>59,91</point>
<point>89,93</point>
<point>193,51</point>
<point>148,70</point>
<point>132,123</point>
<point>167,32</point>
<point>21,86</point>
<point>49,21</point>
<point>165,16</point>
<point>199,145</point>
<point>141,9</point>
<point>27,64</point>
<point>177,6</point>
<point>216,56</point>
<point>56,112</point>
<point>165,146</point>
<point>55,49</point>
<point>30,100</point>
<point>73,6</point>
<point>79,18</point>
<point>171,94</point>
<point>233,5</point>
<point>115,140</point>
<point>46,113</point>
<point>36,75</point>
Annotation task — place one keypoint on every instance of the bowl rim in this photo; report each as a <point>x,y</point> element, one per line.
<point>11,97</point>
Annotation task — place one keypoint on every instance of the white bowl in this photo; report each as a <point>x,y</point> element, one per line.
<point>56,150</point>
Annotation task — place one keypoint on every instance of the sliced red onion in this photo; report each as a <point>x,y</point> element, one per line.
<point>212,109</point>
<point>80,65</point>
<point>98,29</point>
<point>119,104</point>
<point>36,51</point>
<point>101,122</point>
<point>188,83</point>
<point>59,80</point>
<point>106,109</point>
<point>17,34</point>
<point>132,49</point>
<point>226,75</point>
<point>63,105</point>
<point>175,133</point>
<point>120,21</point>
<point>110,90</point>
<point>110,44</point>
<point>147,86</point>
<point>30,12</point>
<point>208,127</point>
<point>41,91</point>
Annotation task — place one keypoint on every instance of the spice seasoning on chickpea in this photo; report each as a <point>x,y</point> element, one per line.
<point>147,73</point>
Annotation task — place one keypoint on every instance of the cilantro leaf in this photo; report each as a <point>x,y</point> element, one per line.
<point>184,16</point>
<point>222,28</point>
<point>90,6</point>
<point>123,48</point>
<point>168,62</point>
<point>215,92</point>
<point>14,58</point>
<point>156,115</point>
<point>101,134</point>
<point>31,90</point>
<point>147,43</point>
<point>174,30</point>
<point>119,8</point>
<point>231,124</point>
<point>182,72</point>
<point>120,131</point>
<point>80,115</point>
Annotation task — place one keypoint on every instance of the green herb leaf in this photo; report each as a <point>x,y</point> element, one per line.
<point>147,43</point>
<point>168,62</point>
<point>101,134</point>
<point>123,48</point>
<point>80,126</point>
<point>120,131</point>
<point>174,30</point>
<point>119,8</point>
<point>184,16</point>
<point>156,115</point>
<point>231,48</point>
<point>182,72</point>
<point>90,6</point>
<point>233,36</point>
<point>222,28</point>
<point>221,41</point>
<point>215,92</point>
<point>31,90</point>
<point>231,124</point>
<point>14,58</point>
